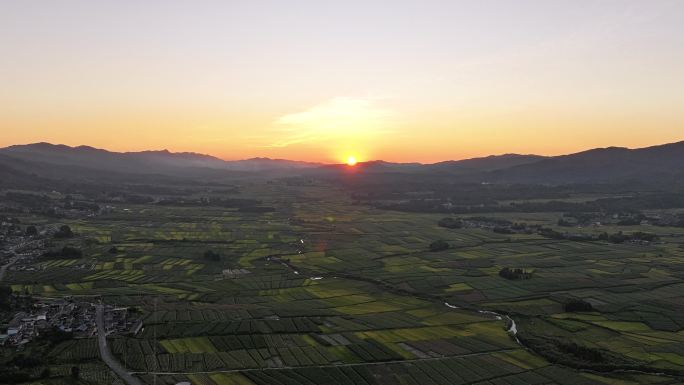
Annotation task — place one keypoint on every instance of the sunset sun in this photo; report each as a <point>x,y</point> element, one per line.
<point>314,180</point>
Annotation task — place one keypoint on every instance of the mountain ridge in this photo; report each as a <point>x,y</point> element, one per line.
<point>606,164</point>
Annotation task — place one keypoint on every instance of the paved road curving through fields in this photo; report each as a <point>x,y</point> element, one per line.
<point>106,354</point>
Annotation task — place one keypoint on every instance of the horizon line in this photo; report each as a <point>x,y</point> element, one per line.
<point>326,163</point>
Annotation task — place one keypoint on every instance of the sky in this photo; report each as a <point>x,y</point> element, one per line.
<point>322,80</point>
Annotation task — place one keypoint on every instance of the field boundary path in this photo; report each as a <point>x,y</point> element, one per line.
<point>371,363</point>
<point>106,354</point>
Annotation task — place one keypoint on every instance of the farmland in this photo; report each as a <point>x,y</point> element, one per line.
<point>323,290</point>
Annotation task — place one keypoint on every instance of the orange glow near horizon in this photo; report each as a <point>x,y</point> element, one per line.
<point>238,80</point>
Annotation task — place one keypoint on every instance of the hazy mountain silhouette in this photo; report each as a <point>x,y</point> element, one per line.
<point>44,160</point>
<point>143,162</point>
<point>489,163</point>
<point>599,165</point>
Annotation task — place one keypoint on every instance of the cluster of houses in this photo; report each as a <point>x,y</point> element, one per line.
<point>233,273</point>
<point>69,316</point>
<point>9,227</point>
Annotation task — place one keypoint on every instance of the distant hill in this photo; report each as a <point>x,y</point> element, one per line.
<point>489,163</point>
<point>263,164</point>
<point>144,162</point>
<point>376,167</point>
<point>599,165</point>
<point>602,165</point>
<point>466,166</point>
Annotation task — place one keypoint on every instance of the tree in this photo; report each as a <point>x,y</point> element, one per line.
<point>113,250</point>
<point>5,295</point>
<point>450,223</point>
<point>577,305</point>
<point>31,231</point>
<point>70,252</point>
<point>212,256</point>
<point>502,230</point>
<point>64,232</point>
<point>439,246</point>
<point>75,372</point>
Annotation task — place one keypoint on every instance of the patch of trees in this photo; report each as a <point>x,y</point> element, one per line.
<point>14,376</point>
<point>216,202</point>
<point>64,232</point>
<point>480,201</point>
<point>548,232</point>
<point>503,230</point>
<point>54,336</point>
<point>621,237</point>
<point>631,220</point>
<point>31,231</point>
<point>23,362</point>
<point>67,252</point>
<point>256,209</point>
<point>618,237</point>
<point>439,245</point>
<point>450,223</point>
<point>568,353</point>
<point>491,221</point>
<point>213,256</point>
<point>582,352</point>
<point>575,305</point>
<point>515,273</point>
<point>582,357</point>
<point>5,297</point>
<point>23,368</point>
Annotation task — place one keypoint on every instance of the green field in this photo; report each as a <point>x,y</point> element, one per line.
<point>340,293</point>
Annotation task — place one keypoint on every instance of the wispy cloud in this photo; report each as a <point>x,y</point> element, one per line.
<point>341,118</point>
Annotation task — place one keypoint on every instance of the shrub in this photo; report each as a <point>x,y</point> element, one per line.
<point>439,246</point>
<point>450,223</point>
<point>212,256</point>
<point>577,305</point>
<point>31,230</point>
<point>64,232</point>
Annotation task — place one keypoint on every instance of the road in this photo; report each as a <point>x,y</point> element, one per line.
<point>106,354</point>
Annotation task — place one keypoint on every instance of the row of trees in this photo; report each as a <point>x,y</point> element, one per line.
<point>66,252</point>
<point>621,237</point>
<point>439,245</point>
<point>575,305</point>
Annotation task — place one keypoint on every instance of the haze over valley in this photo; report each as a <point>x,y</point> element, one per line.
<point>342,193</point>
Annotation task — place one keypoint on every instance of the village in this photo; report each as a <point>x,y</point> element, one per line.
<point>67,315</point>
<point>35,317</point>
